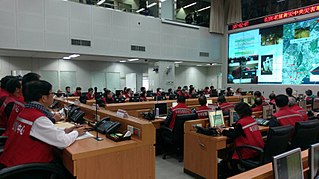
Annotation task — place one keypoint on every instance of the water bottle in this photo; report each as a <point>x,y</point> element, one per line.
<point>157,112</point>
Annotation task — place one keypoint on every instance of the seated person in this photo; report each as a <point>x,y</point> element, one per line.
<point>180,108</point>
<point>170,91</point>
<point>212,90</point>
<point>257,94</point>
<point>258,105</point>
<point>108,97</point>
<point>230,91</point>
<point>158,92</point>
<point>272,97</point>
<point>33,136</point>
<point>309,96</point>
<point>192,93</point>
<point>245,132</point>
<point>289,92</point>
<point>224,106</point>
<point>285,115</point>
<point>90,95</point>
<point>77,91</point>
<point>68,91</point>
<point>238,92</point>
<point>206,90</point>
<point>128,93</point>
<point>202,110</point>
<point>295,107</point>
<point>143,94</point>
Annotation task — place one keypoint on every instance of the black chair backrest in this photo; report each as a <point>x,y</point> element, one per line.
<point>178,130</point>
<point>277,141</point>
<point>134,99</point>
<point>306,134</point>
<point>172,96</point>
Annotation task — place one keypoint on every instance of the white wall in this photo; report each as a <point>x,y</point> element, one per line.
<point>49,25</point>
<point>83,68</point>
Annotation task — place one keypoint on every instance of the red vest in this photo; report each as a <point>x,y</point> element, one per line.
<point>16,109</point>
<point>225,107</point>
<point>253,137</point>
<point>3,116</point>
<point>286,116</point>
<point>301,111</point>
<point>180,108</point>
<point>257,108</point>
<point>20,147</point>
<point>89,96</point>
<point>202,112</point>
<point>143,98</point>
<point>3,93</point>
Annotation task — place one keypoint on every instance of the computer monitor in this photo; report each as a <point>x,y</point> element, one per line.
<point>245,100</point>
<point>172,96</point>
<point>119,100</point>
<point>315,105</point>
<point>288,165</point>
<point>214,94</point>
<point>313,159</point>
<point>243,93</point>
<point>162,108</point>
<point>149,93</point>
<point>174,104</point>
<point>267,111</point>
<point>216,118</point>
<point>209,101</point>
<point>233,116</point>
<point>252,101</point>
<point>159,98</point>
<point>134,99</point>
<point>303,104</point>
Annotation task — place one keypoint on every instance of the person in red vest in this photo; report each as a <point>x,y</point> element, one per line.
<point>108,97</point>
<point>259,106</point>
<point>206,90</point>
<point>180,108</point>
<point>202,110</point>
<point>285,115</point>
<point>33,135</point>
<point>257,94</point>
<point>90,95</point>
<point>272,97</point>
<point>3,91</point>
<point>295,107</point>
<point>143,94</point>
<point>77,91</point>
<point>245,132</point>
<point>14,88</point>
<point>224,105</point>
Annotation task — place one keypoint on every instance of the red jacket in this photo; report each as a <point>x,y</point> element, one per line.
<point>16,109</point>
<point>225,107</point>
<point>3,93</point>
<point>3,115</point>
<point>20,147</point>
<point>301,111</point>
<point>257,108</point>
<point>89,96</point>
<point>76,94</point>
<point>252,137</point>
<point>202,112</point>
<point>180,108</point>
<point>286,116</point>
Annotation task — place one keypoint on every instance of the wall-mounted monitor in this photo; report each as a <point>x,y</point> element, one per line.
<point>282,54</point>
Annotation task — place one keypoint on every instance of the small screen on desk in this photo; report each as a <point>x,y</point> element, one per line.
<point>162,108</point>
<point>288,165</point>
<point>267,111</point>
<point>233,116</point>
<point>314,160</point>
<point>216,118</point>
<point>209,101</point>
<point>174,104</point>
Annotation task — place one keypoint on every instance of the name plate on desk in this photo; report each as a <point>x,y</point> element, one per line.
<point>121,113</point>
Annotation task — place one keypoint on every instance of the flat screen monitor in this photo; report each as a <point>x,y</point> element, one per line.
<point>162,108</point>
<point>174,104</point>
<point>149,93</point>
<point>172,96</point>
<point>315,105</point>
<point>245,100</point>
<point>267,111</point>
<point>288,165</point>
<point>252,101</point>
<point>313,158</point>
<point>209,101</point>
<point>233,116</point>
<point>303,104</point>
<point>216,118</point>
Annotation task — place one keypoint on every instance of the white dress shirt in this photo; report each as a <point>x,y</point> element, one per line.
<point>44,130</point>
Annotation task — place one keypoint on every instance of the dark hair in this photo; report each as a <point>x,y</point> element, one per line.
<point>289,91</point>
<point>90,89</point>
<point>12,85</point>
<point>281,100</point>
<point>181,99</point>
<point>221,99</point>
<point>272,96</point>
<point>179,87</point>
<point>202,100</point>
<point>257,93</point>
<point>66,88</point>
<point>191,90</point>
<point>309,92</point>
<point>34,90</point>
<point>158,89</point>
<point>258,101</point>
<point>143,88</point>
<point>243,109</point>
<point>169,90</point>
<point>318,93</point>
<point>78,88</point>
<point>228,88</point>
<point>5,80</point>
<point>211,87</point>
<point>206,87</point>
<point>30,77</point>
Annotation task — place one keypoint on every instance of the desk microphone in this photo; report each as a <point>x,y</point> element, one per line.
<point>97,133</point>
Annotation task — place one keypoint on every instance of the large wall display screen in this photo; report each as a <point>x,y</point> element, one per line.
<point>285,54</point>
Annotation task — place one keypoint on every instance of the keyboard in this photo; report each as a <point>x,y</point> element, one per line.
<point>262,122</point>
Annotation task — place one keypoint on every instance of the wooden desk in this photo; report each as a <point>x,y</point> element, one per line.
<point>134,158</point>
<point>201,151</point>
<point>266,172</point>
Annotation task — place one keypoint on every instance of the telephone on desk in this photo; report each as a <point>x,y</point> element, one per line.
<point>75,114</point>
<point>207,131</point>
<point>105,126</point>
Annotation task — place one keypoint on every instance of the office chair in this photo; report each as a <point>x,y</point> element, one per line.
<point>277,143</point>
<point>173,139</point>
<point>3,140</point>
<point>306,133</point>
<point>31,170</point>
<point>2,131</point>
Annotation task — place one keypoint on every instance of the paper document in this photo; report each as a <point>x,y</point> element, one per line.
<point>85,135</point>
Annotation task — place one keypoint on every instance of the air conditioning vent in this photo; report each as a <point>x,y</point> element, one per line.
<point>138,48</point>
<point>79,42</point>
<point>203,54</point>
